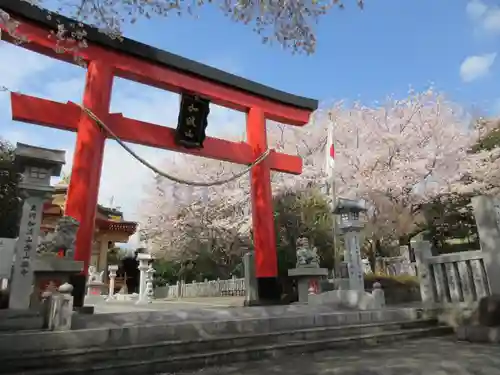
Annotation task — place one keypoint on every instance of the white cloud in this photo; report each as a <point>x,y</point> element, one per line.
<point>476,9</point>
<point>487,18</point>
<point>475,67</point>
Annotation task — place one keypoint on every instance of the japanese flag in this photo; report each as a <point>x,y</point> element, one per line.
<point>330,153</point>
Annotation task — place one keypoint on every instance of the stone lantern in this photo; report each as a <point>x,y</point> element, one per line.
<point>351,225</point>
<point>36,165</point>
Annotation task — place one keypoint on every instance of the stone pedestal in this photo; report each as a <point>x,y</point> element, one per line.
<point>95,283</point>
<point>305,277</point>
<point>51,271</point>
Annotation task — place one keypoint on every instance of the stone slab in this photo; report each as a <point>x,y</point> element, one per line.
<point>52,263</point>
<point>307,271</point>
<point>347,299</point>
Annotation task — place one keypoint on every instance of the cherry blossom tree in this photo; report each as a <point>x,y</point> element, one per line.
<point>397,156</point>
<point>403,153</point>
<point>289,22</point>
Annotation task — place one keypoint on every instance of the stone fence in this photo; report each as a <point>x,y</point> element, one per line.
<point>215,288</point>
<point>451,278</point>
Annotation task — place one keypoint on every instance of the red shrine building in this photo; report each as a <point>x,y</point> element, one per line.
<point>110,226</point>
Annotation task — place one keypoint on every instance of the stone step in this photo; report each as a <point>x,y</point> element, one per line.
<point>75,357</point>
<point>124,319</point>
<point>156,362</point>
<point>20,320</point>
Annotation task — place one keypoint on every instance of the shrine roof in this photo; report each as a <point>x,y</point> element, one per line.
<point>128,227</point>
<point>143,51</point>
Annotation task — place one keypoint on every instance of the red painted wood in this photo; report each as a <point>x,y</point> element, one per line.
<point>264,236</point>
<point>44,112</point>
<point>162,77</point>
<point>83,188</point>
<point>65,117</point>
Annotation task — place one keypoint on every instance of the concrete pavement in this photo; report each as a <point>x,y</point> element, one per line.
<point>436,356</point>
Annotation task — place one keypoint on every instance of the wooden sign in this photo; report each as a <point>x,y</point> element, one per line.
<point>192,122</point>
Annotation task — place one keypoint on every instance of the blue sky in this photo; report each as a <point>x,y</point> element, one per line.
<point>385,49</point>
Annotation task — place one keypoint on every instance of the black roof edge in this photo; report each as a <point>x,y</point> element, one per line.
<point>143,51</point>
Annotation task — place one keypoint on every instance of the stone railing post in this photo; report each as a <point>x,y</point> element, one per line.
<point>149,291</point>
<point>112,277</point>
<point>487,215</point>
<point>422,250</point>
<point>179,289</point>
<point>144,266</point>
<point>251,295</point>
<point>378,296</point>
<point>61,308</point>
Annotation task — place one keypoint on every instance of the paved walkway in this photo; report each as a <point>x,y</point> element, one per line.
<point>437,356</point>
<point>103,307</point>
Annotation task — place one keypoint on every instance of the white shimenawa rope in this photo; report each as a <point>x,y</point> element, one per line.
<point>144,162</point>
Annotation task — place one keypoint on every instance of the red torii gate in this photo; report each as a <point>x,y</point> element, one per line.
<point>138,62</point>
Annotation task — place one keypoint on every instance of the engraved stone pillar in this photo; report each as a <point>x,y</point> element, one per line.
<point>38,165</point>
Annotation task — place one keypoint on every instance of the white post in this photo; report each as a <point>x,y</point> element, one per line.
<point>112,276</point>
<point>144,260</point>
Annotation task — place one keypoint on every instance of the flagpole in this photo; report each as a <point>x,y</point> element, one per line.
<point>331,186</point>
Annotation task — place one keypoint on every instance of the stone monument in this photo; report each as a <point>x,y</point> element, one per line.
<point>37,166</point>
<point>307,270</point>
<point>351,226</point>
<point>355,296</point>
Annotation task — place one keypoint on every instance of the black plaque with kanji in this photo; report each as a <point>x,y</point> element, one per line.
<point>192,121</point>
